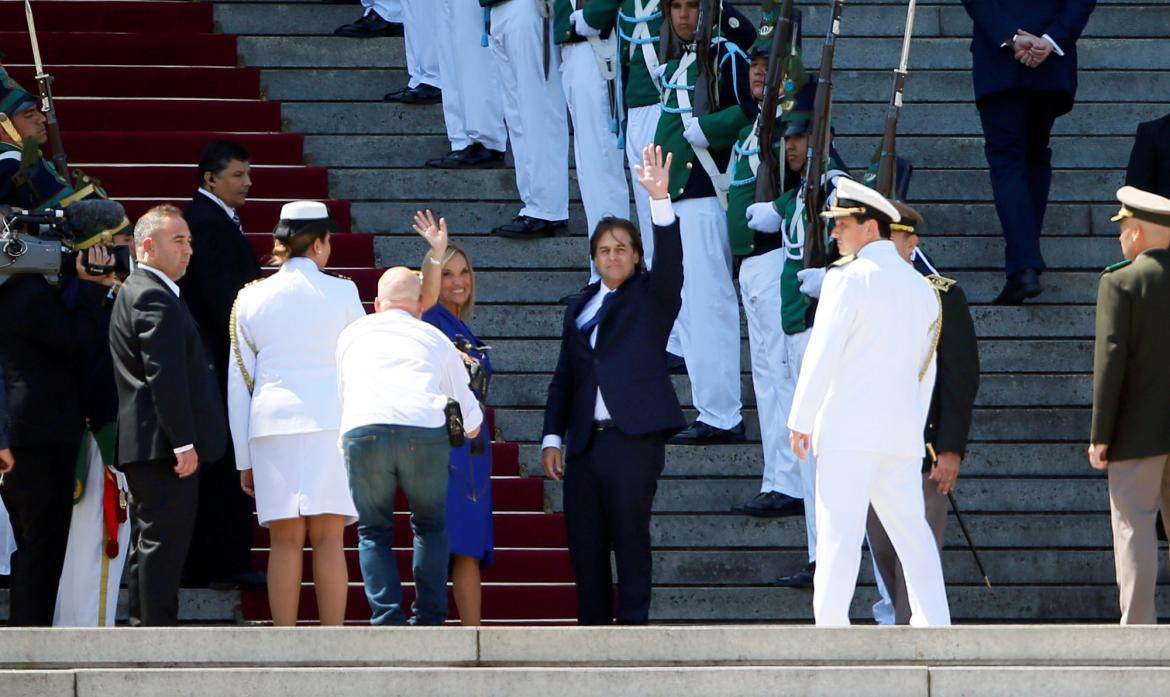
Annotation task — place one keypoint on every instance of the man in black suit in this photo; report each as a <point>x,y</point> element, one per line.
<point>44,342</point>
<point>1149,161</point>
<point>1024,56</point>
<point>223,262</point>
<point>612,397</point>
<point>170,417</point>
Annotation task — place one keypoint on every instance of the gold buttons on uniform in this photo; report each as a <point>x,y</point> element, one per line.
<point>690,165</point>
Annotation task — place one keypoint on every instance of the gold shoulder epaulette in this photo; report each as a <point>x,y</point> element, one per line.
<point>1119,265</point>
<point>338,275</point>
<point>843,260</point>
<point>940,283</point>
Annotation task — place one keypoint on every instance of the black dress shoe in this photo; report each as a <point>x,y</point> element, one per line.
<point>438,162</point>
<point>1019,287</point>
<point>800,579</point>
<point>675,365</point>
<point>252,579</point>
<point>699,433</point>
<point>367,26</point>
<point>524,227</point>
<point>472,157</point>
<point>770,504</point>
<point>423,94</point>
<point>396,95</point>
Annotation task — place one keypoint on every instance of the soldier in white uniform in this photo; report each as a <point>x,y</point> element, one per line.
<point>419,20</point>
<point>861,404</point>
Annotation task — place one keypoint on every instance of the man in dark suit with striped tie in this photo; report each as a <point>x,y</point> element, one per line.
<point>612,406</point>
<point>223,262</point>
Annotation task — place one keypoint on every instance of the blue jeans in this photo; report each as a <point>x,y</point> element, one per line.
<point>380,458</point>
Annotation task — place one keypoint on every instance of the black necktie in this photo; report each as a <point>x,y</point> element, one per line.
<point>588,326</point>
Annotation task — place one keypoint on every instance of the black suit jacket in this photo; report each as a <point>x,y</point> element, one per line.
<point>949,421</point>
<point>1149,161</point>
<point>996,21</point>
<point>629,362</point>
<point>166,385</point>
<point>45,342</point>
<point>222,263</point>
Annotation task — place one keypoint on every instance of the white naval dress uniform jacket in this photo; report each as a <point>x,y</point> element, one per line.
<point>286,330</point>
<point>863,393</point>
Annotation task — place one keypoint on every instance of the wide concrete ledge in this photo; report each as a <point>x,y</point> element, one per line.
<point>1066,682</point>
<point>233,646</point>
<point>992,645</point>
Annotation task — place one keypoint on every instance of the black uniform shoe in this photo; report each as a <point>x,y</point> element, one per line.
<point>524,227</point>
<point>396,95</point>
<point>770,504</point>
<point>675,364</point>
<point>369,25</point>
<point>800,579</point>
<point>699,433</point>
<point>252,579</point>
<point>471,157</point>
<point>423,94</point>
<point>1019,287</point>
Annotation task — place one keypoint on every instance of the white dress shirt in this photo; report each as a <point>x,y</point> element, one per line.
<point>661,213</point>
<point>175,289</point>
<point>395,369</point>
<point>231,212</point>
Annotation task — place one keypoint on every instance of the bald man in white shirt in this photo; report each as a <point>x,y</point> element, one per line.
<point>396,375</point>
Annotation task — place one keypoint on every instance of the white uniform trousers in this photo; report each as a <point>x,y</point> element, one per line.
<point>534,109</point>
<point>389,10</point>
<point>473,107</point>
<point>420,20</point>
<point>7,542</point>
<point>87,595</point>
<point>601,169</point>
<point>847,483</point>
<point>641,125</point>
<point>708,323</point>
<point>792,355</point>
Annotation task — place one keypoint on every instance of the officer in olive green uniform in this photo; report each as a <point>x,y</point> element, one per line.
<point>948,422</point>
<point>707,325</point>
<point>1131,395</point>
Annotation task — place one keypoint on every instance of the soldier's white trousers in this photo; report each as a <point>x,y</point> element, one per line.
<point>419,23</point>
<point>641,125</point>
<point>389,10</point>
<point>708,323</point>
<point>601,169</point>
<point>534,109</point>
<point>87,595</point>
<point>847,483</point>
<point>473,106</point>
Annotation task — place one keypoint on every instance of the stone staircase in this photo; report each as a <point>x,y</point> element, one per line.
<point>711,661</point>
<point>1037,512</point>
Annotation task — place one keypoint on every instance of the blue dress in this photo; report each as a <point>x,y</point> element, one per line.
<point>469,486</point>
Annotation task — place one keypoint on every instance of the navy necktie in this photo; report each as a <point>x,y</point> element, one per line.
<point>588,326</point>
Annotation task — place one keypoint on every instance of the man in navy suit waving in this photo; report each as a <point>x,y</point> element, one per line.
<point>612,400</point>
<point>1024,57</point>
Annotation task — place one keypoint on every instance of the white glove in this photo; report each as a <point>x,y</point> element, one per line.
<point>693,132</point>
<point>577,19</point>
<point>811,280</point>
<point>762,217</point>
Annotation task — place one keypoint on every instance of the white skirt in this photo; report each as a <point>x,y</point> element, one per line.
<point>300,474</point>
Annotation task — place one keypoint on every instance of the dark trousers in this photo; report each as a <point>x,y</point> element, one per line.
<point>38,494</point>
<point>163,507</point>
<point>608,493</point>
<point>224,526</point>
<point>1016,128</point>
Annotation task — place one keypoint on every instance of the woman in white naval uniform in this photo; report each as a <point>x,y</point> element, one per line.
<point>284,410</point>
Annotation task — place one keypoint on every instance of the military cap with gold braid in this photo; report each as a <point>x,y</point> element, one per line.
<point>855,198</point>
<point>14,99</point>
<point>911,219</point>
<point>1142,205</point>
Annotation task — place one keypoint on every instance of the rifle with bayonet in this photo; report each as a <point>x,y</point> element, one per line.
<point>775,86</point>
<point>887,156</point>
<point>45,86</point>
<point>819,143</point>
<point>706,97</point>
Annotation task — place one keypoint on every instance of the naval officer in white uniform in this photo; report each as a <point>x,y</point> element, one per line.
<point>284,410</point>
<point>861,404</point>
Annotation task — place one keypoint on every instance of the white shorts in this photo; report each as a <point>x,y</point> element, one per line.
<point>300,474</point>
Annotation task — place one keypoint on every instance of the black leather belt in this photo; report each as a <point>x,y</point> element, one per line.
<point>603,425</point>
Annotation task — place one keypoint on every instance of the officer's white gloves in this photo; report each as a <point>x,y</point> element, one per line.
<point>762,217</point>
<point>581,26</point>
<point>693,132</point>
<point>811,280</point>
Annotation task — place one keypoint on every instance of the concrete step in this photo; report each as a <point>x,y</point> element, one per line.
<point>995,355</point>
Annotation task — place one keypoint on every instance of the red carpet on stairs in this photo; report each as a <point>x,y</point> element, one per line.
<point>141,87</point>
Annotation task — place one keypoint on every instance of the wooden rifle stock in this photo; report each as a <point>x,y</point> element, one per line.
<point>818,146</point>
<point>766,187</point>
